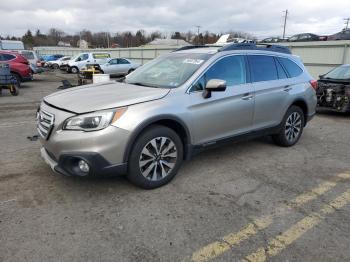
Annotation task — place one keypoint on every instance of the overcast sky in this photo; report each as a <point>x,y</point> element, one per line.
<point>258,17</point>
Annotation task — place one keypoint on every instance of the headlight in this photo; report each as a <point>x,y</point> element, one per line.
<point>93,121</point>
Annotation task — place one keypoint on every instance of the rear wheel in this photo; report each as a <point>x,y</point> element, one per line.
<point>18,79</point>
<point>292,127</point>
<point>155,158</point>
<point>14,90</point>
<point>55,66</point>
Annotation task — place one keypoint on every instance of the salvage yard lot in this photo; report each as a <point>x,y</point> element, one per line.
<point>250,200</point>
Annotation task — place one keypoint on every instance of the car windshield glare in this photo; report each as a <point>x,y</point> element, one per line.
<point>168,71</point>
<point>342,72</point>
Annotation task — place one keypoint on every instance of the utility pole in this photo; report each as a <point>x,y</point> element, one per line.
<point>198,26</point>
<point>347,20</point>
<point>107,35</point>
<point>285,23</point>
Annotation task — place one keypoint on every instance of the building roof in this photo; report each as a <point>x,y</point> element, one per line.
<point>168,42</point>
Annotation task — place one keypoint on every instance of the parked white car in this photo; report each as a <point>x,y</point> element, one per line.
<point>82,59</point>
<point>31,56</point>
<point>119,66</point>
<point>57,63</point>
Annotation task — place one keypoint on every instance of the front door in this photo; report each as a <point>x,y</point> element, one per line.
<point>227,113</point>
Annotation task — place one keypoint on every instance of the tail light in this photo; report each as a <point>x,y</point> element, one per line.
<point>314,84</point>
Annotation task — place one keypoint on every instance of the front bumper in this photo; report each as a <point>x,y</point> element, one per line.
<point>67,164</point>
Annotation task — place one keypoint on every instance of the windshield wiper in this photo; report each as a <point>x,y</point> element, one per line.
<point>142,84</point>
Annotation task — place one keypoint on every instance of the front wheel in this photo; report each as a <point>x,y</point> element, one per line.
<point>155,158</point>
<point>292,127</point>
<point>74,70</point>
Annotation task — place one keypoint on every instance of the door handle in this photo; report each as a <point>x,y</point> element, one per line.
<point>247,96</point>
<point>287,88</point>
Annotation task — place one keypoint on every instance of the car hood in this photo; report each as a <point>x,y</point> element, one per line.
<point>102,96</point>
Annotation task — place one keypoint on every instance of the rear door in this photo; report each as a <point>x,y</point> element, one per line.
<point>226,113</point>
<point>271,85</point>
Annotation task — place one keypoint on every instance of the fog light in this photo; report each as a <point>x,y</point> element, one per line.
<point>83,166</point>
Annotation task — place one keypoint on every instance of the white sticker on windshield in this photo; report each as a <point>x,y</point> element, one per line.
<point>193,61</point>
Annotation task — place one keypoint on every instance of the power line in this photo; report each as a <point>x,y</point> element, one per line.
<point>347,20</point>
<point>285,23</point>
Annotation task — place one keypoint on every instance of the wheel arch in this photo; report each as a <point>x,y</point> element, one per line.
<point>170,121</point>
<point>303,105</point>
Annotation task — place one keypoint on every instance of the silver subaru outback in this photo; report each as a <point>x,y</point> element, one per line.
<point>174,106</point>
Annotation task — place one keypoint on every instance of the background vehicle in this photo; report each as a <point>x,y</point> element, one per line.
<point>31,56</point>
<point>305,37</point>
<point>119,66</point>
<point>33,59</point>
<point>80,61</point>
<point>11,45</point>
<point>7,81</point>
<point>174,106</point>
<point>342,35</point>
<point>55,64</point>
<point>47,58</point>
<point>333,91</point>
<point>272,40</point>
<point>19,65</point>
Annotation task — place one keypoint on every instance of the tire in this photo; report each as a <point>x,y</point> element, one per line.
<point>18,79</point>
<point>147,168</point>
<point>55,66</point>
<point>291,127</point>
<point>14,91</point>
<point>74,70</point>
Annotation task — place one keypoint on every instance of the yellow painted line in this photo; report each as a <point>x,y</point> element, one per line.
<point>219,247</point>
<point>279,243</point>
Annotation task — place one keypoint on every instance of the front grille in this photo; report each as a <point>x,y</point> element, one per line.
<point>45,123</point>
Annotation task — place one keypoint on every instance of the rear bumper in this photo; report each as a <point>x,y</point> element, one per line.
<point>27,78</point>
<point>67,164</point>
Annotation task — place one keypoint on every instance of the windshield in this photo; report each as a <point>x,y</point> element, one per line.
<point>342,72</point>
<point>168,71</point>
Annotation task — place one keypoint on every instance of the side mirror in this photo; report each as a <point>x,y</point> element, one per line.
<point>214,85</point>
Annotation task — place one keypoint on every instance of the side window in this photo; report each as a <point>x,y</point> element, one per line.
<point>292,68</point>
<point>113,61</point>
<point>231,69</point>
<point>262,68</point>
<point>123,61</point>
<point>1,58</point>
<point>281,73</point>
<point>84,57</point>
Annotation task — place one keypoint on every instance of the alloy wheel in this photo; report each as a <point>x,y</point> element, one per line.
<point>158,158</point>
<point>293,126</point>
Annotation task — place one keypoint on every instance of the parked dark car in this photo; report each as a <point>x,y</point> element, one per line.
<point>342,35</point>
<point>19,65</point>
<point>272,40</point>
<point>305,38</point>
<point>334,89</point>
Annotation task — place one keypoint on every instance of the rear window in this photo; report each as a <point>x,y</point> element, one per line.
<point>101,56</point>
<point>262,68</point>
<point>292,68</point>
<point>281,73</point>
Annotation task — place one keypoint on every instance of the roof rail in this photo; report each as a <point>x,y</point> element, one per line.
<point>252,46</point>
<point>187,47</point>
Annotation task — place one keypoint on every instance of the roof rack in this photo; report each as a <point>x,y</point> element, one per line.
<point>252,46</point>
